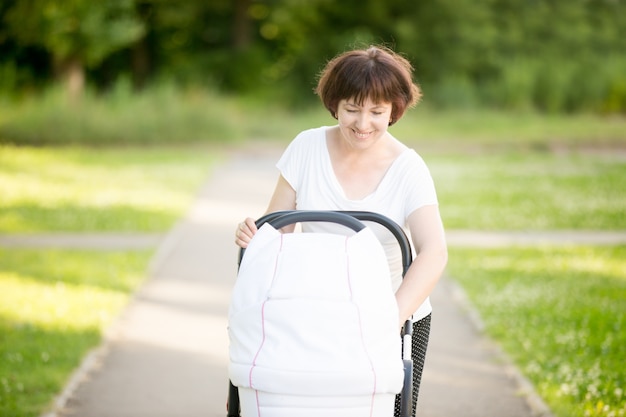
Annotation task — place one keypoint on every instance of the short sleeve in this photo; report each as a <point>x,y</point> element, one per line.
<point>290,163</point>
<point>420,187</point>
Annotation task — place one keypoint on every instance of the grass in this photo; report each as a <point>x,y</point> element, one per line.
<point>81,189</point>
<point>489,130</point>
<point>560,314</point>
<point>77,189</point>
<point>531,190</point>
<point>54,306</point>
<point>161,115</point>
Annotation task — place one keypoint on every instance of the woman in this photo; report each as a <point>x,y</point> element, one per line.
<point>358,165</point>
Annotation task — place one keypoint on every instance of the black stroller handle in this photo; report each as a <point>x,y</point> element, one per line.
<point>331,216</point>
<point>297,216</point>
<point>284,218</point>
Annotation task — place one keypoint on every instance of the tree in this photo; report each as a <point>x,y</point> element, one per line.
<point>77,33</point>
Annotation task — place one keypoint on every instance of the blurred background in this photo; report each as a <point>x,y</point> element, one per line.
<point>548,55</point>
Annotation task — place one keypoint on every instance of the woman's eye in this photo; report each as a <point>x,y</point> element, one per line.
<point>377,113</point>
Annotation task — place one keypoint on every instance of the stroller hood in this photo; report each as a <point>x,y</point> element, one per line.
<point>314,314</point>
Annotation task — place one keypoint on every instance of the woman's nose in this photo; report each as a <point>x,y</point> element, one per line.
<point>362,120</point>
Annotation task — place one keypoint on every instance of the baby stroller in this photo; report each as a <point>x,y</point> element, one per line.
<point>313,322</point>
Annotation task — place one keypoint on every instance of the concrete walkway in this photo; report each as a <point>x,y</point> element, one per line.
<point>167,354</point>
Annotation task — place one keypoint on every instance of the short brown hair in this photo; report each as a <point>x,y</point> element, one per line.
<point>376,73</point>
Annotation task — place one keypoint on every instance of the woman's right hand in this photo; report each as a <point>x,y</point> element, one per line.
<point>245,231</point>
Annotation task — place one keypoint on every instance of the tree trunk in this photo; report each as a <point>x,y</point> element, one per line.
<point>242,26</point>
<point>71,73</point>
<point>141,49</point>
<point>140,63</point>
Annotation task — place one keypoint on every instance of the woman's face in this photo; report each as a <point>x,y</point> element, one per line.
<point>361,125</point>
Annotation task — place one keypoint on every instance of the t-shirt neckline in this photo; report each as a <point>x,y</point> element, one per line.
<point>335,180</point>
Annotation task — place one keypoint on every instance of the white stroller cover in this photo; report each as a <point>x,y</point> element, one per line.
<point>313,314</point>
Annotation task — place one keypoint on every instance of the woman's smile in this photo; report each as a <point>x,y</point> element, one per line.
<point>360,135</point>
<point>363,122</point>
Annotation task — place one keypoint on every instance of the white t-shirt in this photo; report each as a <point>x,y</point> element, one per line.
<point>406,186</point>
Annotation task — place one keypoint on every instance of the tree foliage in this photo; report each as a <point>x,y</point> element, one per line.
<point>74,28</point>
<point>546,54</point>
<point>75,33</point>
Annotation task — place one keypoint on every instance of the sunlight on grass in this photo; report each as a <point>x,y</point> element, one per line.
<point>560,314</point>
<point>530,191</point>
<point>54,306</point>
<point>57,306</point>
<point>74,189</point>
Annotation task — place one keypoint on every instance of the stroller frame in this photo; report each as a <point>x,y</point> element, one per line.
<point>352,220</point>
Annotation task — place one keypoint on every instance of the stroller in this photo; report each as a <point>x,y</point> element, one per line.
<point>313,322</point>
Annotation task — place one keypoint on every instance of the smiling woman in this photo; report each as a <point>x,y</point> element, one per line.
<point>358,165</point>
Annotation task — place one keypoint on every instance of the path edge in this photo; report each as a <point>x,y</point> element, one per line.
<point>95,355</point>
<point>525,388</point>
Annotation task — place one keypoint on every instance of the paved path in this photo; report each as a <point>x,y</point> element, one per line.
<point>167,354</point>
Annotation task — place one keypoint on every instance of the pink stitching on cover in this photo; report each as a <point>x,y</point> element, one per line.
<point>258,403</point>
<point>260,346</point>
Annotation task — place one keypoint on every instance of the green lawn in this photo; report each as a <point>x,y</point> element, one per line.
<point>531,190</point>
<point>560,315</point>
<point>82,189</point>
<point>54,307</point>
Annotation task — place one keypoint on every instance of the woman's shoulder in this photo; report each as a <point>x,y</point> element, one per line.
<point>406,154</point>
<point>310,138</point>
<point>315,132</point>
<point>409,164</point>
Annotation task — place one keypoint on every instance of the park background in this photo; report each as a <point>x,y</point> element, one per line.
<point>113,113</point>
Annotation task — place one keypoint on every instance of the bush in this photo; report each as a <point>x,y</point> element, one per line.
<point>160,115</point>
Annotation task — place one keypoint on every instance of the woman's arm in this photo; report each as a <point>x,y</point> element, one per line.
<point>284,198</point>
<point>428,238</point>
